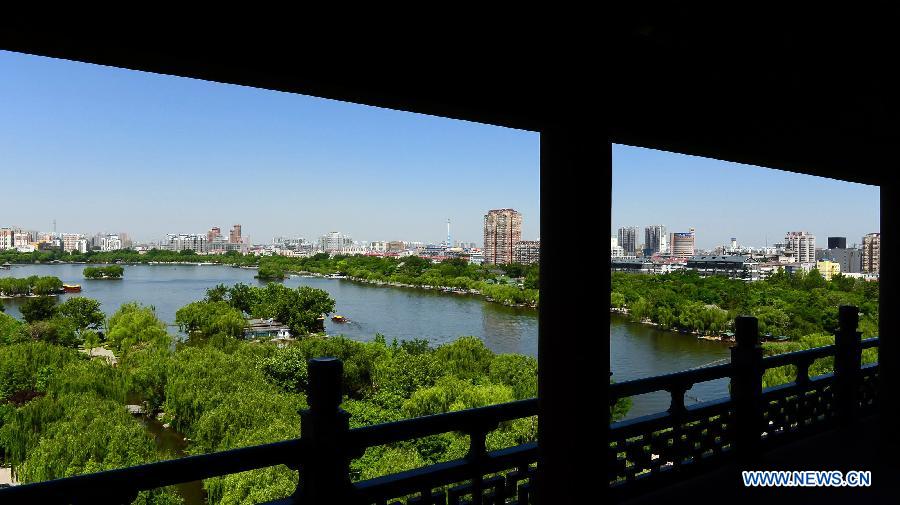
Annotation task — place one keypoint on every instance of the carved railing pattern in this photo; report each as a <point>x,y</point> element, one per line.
<point>651,450</point>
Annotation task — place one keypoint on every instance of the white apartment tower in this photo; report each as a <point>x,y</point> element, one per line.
<point>803,244</point>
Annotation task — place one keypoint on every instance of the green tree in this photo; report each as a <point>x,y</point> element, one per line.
<point>134,326</point>
<point>85,313</point>
<point>38,309</point>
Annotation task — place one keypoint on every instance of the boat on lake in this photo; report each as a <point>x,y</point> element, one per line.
<point>72,288</point>
<point>338,319</point>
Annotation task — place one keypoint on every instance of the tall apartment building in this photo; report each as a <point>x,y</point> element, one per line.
<point>628,240</point>
<point>654,239</point>
<point>527,252</point>
<point>502,230</point>
<point>803,244</point>
<point>191,241</point>
<point>234,236</point>
<point>682,244</point>
<point>871,253</point>
<point>213,233</point>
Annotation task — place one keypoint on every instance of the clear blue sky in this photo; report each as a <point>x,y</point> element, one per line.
<point>723,200</point>
<point>107,149</point>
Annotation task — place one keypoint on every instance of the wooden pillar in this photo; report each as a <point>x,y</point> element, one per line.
<point>576,183</point>
<point>889,319</point>
<point>847,356</point>
<point>746,389</point>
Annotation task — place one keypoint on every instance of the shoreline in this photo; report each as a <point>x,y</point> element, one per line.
<point>302,273</point>
<point>648,322</point>
<point>444,289</point>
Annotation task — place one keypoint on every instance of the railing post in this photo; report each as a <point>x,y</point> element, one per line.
<point>325,471</point>
<point>746,388</point>
<point>847,356</point>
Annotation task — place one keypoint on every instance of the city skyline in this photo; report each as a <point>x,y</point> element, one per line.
<point>153,154</point>
<point>723,199</point>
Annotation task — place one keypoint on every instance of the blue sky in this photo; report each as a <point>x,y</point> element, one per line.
<point>723,199</point>
<point>107,149</point>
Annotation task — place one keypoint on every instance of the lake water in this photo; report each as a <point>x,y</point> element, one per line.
<point>404,313</point>
<point>636,350</point>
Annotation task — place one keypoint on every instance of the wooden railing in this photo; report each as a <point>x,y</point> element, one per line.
<point>322,456</point>
<point>652,450</point>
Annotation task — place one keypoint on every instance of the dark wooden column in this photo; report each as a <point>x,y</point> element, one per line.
<point>575,206</point>
<point>889,319</point>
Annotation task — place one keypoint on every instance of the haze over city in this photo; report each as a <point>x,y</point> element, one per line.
<point>106,149</point>
<point>722,199</point>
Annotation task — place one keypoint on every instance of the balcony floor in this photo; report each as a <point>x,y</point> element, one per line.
<point>825,451</point>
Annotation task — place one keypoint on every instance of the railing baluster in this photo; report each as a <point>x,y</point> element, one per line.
<point>746,388</point>
<point>676,410</point>
<point>847,357</point>
<point>324,426</point>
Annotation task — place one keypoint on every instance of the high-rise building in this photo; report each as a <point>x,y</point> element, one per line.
<point>187,241</point>
<point>502,230</point>
<point>527,252</point>
<point>334,242</point>
<point>628,240</point>
<point>803,245</point>
<point>213,233</point>
<point>871,253</point>
<point>234,236</point>
<point>654,239</point>
<point>837,242</point>
<point>70,241</point>
<point>681,244</point>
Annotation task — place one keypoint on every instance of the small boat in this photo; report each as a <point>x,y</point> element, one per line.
<point>72,288</point>
<point>338,319</point>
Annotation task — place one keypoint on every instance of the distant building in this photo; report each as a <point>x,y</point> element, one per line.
<point>8,238</point>
<point>502,230</point>
<point>681,245</point>
<point>214,233</point>
<point>837,242</point>
<point>850,260</point>
<point>631,265</point>
<point>615,250</point>
<point>828,269</point>
<point>110,243</point>
<point>628,240</point>
<point>871,253</point>
<point>654,239</point>
<point>81,245</point>
<point>70,241</point>
<point>732,266</point>
<point>234,236</point>
<point>334,242</point>
<point>803,244</point>
<point>527,252</point>
<point>187,241</point>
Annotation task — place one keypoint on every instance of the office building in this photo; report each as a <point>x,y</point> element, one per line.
<point>234,236</point>
<point>681,245</point>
